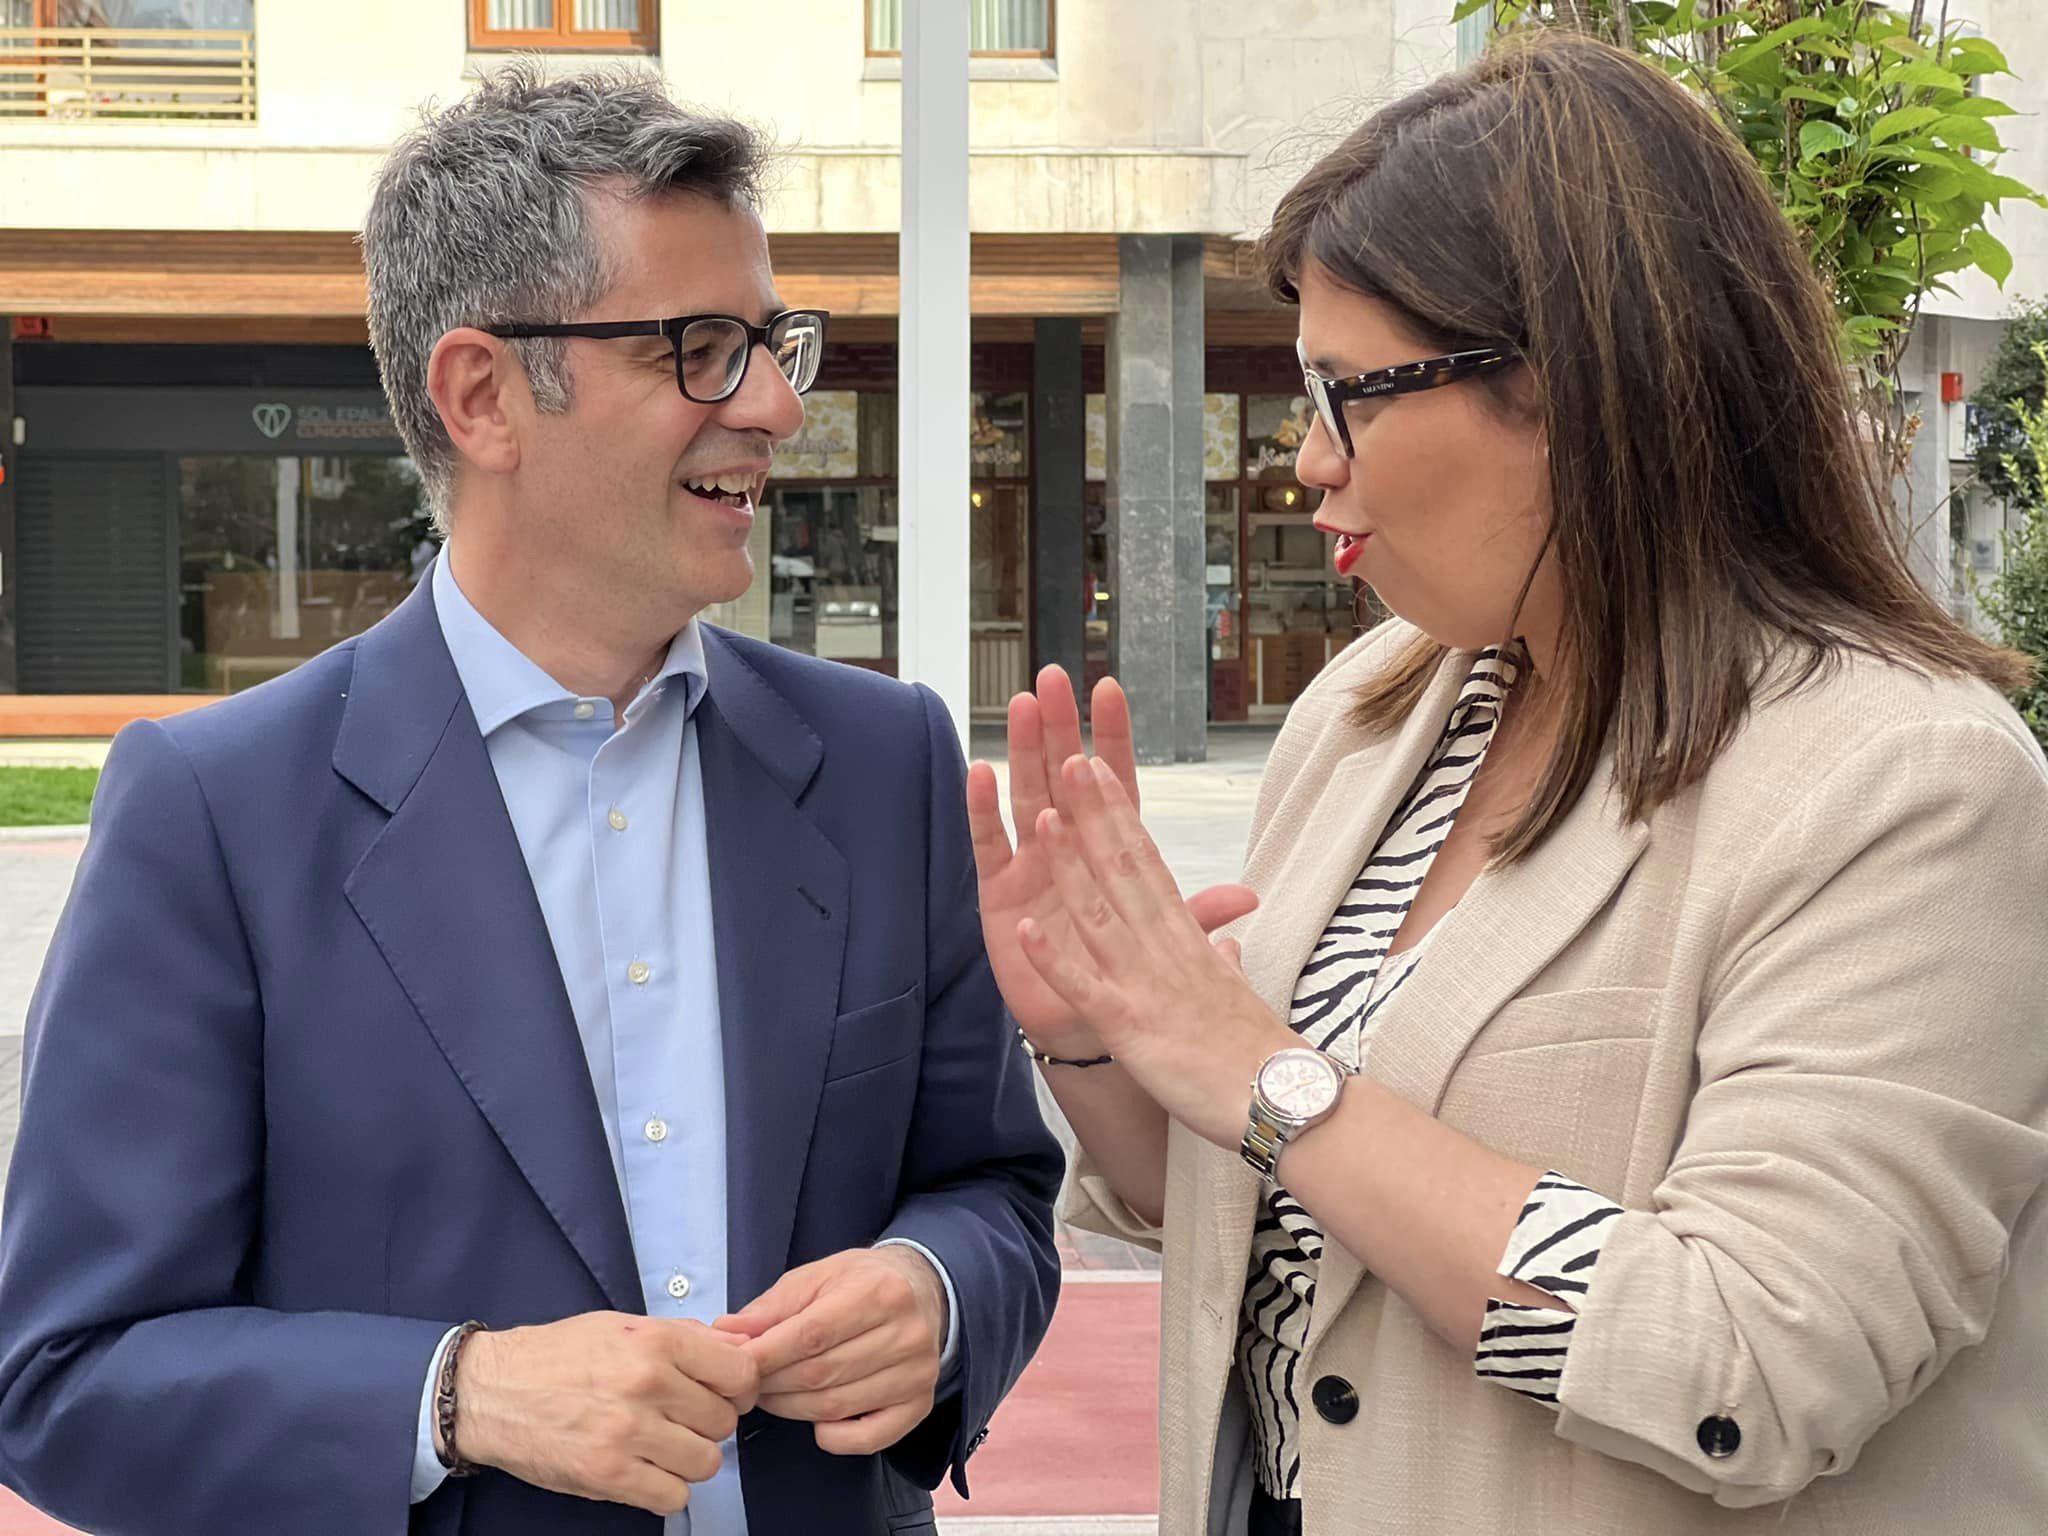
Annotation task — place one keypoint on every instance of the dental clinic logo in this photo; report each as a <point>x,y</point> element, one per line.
<point>271,419</point>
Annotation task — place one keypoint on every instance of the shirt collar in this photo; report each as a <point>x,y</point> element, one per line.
<point>503,682</point>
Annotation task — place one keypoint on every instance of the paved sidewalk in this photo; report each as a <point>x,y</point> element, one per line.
<point>53,754</point>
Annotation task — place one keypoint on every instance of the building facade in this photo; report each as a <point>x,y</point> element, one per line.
<point>202,487</point>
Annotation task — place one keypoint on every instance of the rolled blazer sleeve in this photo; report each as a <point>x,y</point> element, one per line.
<point>1870,1120</point>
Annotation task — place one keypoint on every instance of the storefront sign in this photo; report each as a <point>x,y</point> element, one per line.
<point>280,420</point>
<point>827,446</point>
<point>1220,427</point>
<point>996,436</point>
<point>1275,427</point>
<point>88,420</point>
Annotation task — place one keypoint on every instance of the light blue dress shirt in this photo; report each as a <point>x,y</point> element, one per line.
<point>611,824</point>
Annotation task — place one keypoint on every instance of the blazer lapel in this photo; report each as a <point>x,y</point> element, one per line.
<point>779,901</point>
<point>1511,923</point>
<point>446,897</point>
<point>1351,789</point>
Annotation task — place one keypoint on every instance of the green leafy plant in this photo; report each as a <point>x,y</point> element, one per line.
<point>2003,456</point>
<point>2017,597</point>
<point>1870,124</point>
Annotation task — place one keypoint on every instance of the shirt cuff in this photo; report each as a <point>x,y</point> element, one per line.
<point>427,1471</point>
<point>948,1356</point>
<point>1555,1244</point>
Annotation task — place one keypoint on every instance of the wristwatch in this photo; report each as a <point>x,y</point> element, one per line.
<point>1294,1089</point>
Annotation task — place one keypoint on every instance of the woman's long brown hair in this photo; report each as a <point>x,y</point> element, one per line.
<point>1715,512</point>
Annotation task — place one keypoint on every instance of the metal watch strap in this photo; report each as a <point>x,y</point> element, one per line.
<point>1263,1143</point>
<point>444,1403</point>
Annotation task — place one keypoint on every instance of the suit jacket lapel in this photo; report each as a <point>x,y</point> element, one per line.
<point>445,894</point>
<point>779,903</point>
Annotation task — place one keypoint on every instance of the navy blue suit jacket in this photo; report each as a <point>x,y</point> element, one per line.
<point>302,1090</point>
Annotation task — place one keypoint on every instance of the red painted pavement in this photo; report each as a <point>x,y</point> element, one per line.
<point>1079,1436</point>
<point>17,1519</point>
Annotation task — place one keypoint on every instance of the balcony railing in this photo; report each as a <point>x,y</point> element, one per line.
<point>102,73</point>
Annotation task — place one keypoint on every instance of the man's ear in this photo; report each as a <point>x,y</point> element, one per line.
<point>476,384</point>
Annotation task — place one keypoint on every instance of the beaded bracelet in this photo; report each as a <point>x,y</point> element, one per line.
<point>1044,1060</point>
<point>444,1403</point>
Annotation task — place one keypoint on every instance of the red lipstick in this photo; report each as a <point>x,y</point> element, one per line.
<point>1349,547</point>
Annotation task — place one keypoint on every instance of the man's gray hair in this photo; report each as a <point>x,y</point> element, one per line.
<point>481,216</point>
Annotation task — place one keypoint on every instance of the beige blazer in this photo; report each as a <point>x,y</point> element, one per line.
<point>1797,1025</point>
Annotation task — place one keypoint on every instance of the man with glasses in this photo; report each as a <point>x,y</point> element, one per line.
<point>547,1038</point>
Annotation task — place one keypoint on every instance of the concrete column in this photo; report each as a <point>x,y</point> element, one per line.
<point>1059,431</point>
<point>1158,648</point>
<point>932,457</point>
<point>1923,497</point>
<point>10,456</point>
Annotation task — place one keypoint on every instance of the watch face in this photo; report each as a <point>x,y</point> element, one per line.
<point>1298,1084</point>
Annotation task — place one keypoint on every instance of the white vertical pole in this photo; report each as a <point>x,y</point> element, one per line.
<point>286,576</point>
<point>932,340</point>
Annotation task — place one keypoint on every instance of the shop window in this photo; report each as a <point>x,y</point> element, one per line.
<point>279,558</point>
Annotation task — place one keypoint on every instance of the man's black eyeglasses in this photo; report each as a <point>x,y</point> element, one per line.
<point>711,351</point>
<point>1330,396</point>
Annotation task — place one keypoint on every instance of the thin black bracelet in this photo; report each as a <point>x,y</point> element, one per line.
<point>1044,1060</point>
<point>444,1403</point>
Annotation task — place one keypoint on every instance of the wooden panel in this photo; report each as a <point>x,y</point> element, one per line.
<point>234,330</point>
<point>317,275</point>
<point>1225,258</point>
<point>181,272</point>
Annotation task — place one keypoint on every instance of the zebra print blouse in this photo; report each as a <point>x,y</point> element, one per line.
<point>1344,989</point>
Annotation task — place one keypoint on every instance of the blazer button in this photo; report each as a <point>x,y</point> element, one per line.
<point>1336,1399</point>
<point>1720,1437</point>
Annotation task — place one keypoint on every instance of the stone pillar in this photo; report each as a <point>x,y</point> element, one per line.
<point>10,456</point>
<point>1059,430</point>
<point>1158,648</point>
<point>932,458</point>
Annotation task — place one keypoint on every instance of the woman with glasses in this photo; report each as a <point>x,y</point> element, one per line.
<point>1628,1109</point>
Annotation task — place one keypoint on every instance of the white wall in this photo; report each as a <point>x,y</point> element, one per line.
<point>1161,115</point>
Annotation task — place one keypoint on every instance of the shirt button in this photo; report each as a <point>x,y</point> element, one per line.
<point>638,972</point>
<point>656,1130</point>
<point>585,709</point>
<point>617,818</point>
<point>679,1286</point>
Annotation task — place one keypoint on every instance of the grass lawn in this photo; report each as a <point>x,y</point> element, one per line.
<point>46,797</point>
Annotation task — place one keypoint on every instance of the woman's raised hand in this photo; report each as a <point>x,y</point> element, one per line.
<point>1016,881</point>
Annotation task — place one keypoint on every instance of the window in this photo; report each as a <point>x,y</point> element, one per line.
<point>1003,29</point>
<point>604,26</point>
<point>279,558</point>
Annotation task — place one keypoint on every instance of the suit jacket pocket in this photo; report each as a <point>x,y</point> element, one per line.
<point>876,1035</point>
<point>1566,1018</point>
